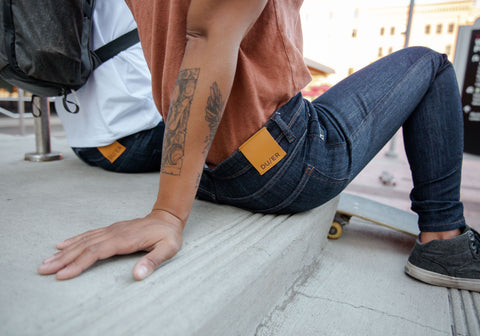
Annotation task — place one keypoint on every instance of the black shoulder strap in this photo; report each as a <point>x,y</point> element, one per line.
<point>104,53</point>
<point>112,48</point>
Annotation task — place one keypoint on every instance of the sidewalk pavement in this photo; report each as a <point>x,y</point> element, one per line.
<point>237,274</point>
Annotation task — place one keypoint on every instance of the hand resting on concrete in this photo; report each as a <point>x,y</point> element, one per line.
<point>159,233</point>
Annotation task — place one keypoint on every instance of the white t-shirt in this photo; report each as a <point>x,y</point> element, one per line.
<point>117,99</point>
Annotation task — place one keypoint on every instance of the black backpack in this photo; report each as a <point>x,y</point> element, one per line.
<point>45,45</point>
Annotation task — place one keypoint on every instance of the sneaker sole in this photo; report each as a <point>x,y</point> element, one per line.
<point>438,279</point>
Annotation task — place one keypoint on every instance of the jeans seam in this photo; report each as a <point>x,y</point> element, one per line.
<point>446,175</point>
<point>440,225</point>
<point>238,173</point>
<point>295,116</point>
<point>284,129</point>
<point>248,166</point>
<point>212,195</point>
<point>298,189</point>
<point>328,179</point>
<point>290,124</point>
<point>274,179</point>
<point>370,115</point>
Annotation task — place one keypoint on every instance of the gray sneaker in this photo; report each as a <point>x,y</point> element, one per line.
<point>451,263</point>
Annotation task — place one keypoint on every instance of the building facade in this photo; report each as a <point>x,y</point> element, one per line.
<point>348,37</point>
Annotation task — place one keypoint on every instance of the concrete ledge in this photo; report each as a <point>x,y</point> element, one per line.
<point>233,268</point>
<point>465,312</point>
<point>359,288</point>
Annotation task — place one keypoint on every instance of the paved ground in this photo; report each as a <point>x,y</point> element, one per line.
<point>355,286</point>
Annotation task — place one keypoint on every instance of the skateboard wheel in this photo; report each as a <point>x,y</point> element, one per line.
<point>335,230</point>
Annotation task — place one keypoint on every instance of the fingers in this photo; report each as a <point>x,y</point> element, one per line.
<point>84,236</point>
<point>144,234</point>
<point>86,259</point>
<point>77,257</point>
<point>163,251</point>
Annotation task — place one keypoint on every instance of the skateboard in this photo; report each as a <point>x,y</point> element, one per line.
<point>381,214</point>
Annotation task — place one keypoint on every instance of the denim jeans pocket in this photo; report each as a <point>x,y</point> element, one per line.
<point>236,182</point>
<point>89,155</point>
<point>247,189</point>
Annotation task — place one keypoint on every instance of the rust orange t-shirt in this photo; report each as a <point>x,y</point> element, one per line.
<point>270,66</point>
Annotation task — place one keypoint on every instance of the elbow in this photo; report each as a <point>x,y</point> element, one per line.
<point>216,39</point>
<point>197,41</point>
<point>196,34</point>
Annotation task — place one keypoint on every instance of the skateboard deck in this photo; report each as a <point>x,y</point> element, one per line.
<point>356,206</point>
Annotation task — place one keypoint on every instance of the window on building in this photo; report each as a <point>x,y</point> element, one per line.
<point>354,33</point>
<point>448,49</point>
<point>439,28</point>
<point>451,28</point>
<point>350,71</point>
<point>382,31</point>
<point>392,31</point>
<point>427,29</point>
<point>380,52</point>
<point>390,50</point>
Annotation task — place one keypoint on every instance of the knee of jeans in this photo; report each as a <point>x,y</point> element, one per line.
<point>426,50</point>
<point>439,61</point>
<point>421,50</point>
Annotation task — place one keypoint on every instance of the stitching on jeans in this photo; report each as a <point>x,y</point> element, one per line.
<point>441,225</point>
<point>448,174</point>
<point>212,195</point>
<point>275,178</point>
<point>293,119</point>
<point>328,179</point>
<point>298,189</point>
<point>296,115</point>
<point>284,128</point>
<point>375,109</point>
<point>248,166</point>
<point>242,171</point>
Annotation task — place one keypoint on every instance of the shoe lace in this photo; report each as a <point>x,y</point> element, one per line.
<point>475,240</point>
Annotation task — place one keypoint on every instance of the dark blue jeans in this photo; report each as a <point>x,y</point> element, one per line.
<point>330,140</point>
<point>143,153</point>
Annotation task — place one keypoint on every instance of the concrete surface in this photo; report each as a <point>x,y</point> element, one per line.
<point>237,274</point>
<point>359,288</point>
<point>233,268</point>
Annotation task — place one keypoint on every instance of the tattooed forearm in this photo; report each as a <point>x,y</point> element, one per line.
<point>213,114</point>
<point>176,127</point>
<point>197,181</point>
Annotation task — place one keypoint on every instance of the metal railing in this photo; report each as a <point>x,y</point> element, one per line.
<point>41,118</point>
<point>41,115</point>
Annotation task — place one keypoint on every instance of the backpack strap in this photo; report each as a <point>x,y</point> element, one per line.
<point>102,54</point>
<point>112,48</point>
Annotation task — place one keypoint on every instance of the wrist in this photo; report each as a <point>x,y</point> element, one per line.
<point>168,216</point>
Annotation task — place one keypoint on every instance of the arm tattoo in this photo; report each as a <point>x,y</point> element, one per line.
<point>197,182</point>
<point>213,114</point>
<point>176,127</point>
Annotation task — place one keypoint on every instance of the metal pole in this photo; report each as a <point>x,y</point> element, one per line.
<point>409,23</point>
<point>391,151</point>
<point>21,110</point>
<point>41,115</point>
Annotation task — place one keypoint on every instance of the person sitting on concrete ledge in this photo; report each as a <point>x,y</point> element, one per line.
<point>118,127</point>
<point>228,73</point>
